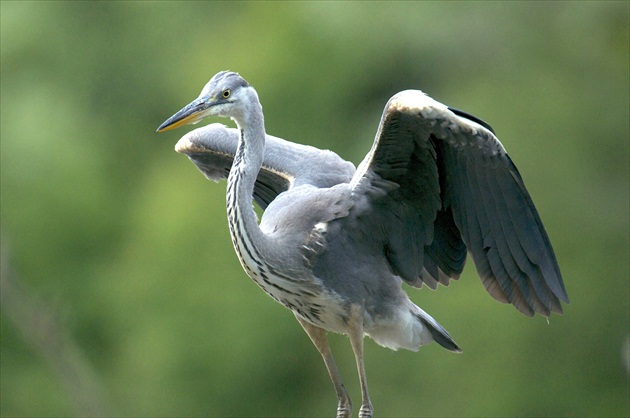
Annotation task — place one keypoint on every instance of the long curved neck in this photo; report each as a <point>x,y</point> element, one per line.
<point>249,241</point>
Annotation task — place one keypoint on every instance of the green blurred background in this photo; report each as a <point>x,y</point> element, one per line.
<point>121,291</point>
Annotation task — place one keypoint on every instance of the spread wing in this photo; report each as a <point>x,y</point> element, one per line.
<point>438,183</point>
<point>286,164</point>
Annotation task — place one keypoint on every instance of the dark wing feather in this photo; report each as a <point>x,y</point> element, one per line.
<point>286,164</point>
<point>437,182</point>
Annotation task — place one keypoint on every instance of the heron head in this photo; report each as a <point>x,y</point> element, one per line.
<point>223,96</point>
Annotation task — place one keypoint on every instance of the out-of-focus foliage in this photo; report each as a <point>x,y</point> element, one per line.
<point>124,245</point>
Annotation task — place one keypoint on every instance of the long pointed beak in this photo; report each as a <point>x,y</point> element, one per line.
<point>191,113</point>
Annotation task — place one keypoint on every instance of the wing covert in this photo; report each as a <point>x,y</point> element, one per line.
<point>286,164</point>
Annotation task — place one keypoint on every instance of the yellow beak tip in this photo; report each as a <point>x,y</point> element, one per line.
<point>167,126</point>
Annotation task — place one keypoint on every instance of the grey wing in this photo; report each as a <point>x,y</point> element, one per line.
<point>438,183</point>
<point>286,164</point>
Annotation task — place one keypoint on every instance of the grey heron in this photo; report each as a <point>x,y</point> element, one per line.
<point>335,243</point>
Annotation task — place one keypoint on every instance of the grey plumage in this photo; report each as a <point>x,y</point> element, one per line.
<point>335,243</point>
<point>286,164</point>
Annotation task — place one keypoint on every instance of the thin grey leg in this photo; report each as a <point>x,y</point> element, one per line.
<point>355,332</point>
<point>320,340</point>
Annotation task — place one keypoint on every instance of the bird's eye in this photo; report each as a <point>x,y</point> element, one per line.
<point>226,93</point>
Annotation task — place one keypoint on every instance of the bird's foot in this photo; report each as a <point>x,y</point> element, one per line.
<point>344,410</point>
<point>366,411</point>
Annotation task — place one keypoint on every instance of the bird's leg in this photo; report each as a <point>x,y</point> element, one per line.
<point>355,332</point>
<point>318,336</point>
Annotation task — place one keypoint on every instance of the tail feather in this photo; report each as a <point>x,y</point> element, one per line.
<point>440,335</point>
